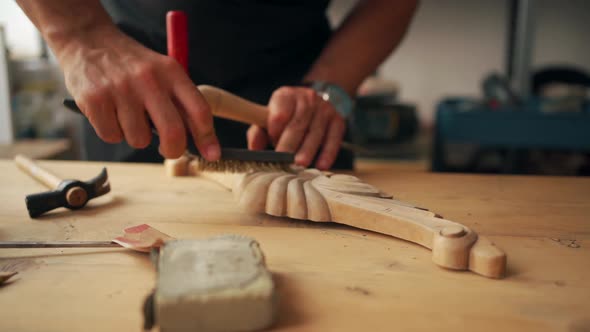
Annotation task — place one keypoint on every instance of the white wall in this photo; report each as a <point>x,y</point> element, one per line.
<point>563,33</point>
<point>6,130</point>
<point>450,46</point>
<point>453,44</point>
<point>21,35</point>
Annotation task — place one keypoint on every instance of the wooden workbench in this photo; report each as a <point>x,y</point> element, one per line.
<point>330,277</point>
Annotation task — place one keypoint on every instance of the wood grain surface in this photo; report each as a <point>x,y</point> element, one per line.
<point>330,277</point>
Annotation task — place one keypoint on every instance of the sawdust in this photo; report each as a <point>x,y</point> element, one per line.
<point>567,242</point>
<point>9,267</point>
<point>358,290</point>
<point>5,276</point>
<point>17,264</point>
<point>69,229</point>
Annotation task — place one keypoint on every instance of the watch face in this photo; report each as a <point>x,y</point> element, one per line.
<point>340,99</point>
<point>335,95</point>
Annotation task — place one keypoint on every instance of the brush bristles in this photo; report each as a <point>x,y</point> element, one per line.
<point>237,166</point>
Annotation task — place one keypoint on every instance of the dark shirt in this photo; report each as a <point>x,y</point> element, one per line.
<point>248,47</point>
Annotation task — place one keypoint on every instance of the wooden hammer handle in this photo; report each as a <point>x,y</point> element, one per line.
<point>38,173</point>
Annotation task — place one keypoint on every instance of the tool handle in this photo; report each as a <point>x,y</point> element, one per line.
<point>177,37</point>
<point>229,106</point>
<point>223,104</point>
<point>28,166</point>
<point>57,244</point>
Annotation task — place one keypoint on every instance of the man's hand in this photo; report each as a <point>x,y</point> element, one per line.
<point>302,122</point>
<point>118,83</point>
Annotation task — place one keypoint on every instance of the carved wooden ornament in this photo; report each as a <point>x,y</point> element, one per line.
<point>325,197</point>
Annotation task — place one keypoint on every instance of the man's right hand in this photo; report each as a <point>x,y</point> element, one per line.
<point>118,83</point>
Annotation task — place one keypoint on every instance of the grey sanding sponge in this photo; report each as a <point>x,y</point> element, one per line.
<point>215,284</point>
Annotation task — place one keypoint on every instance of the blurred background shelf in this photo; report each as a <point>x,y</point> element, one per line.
<point>36,148</point>
<point>472,137</point>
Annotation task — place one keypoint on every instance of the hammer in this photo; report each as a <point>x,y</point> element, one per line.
<point>71,194</point>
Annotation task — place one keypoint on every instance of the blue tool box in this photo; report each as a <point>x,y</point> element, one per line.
<point>538,124</point>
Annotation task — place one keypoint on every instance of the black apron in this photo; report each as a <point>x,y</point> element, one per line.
<point>247,47</point>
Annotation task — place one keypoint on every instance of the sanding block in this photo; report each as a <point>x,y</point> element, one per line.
<point>215,284</point>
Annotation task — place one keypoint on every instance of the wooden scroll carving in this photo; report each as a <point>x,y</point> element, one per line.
<point>325,197</point>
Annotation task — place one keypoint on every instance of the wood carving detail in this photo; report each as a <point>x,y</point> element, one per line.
<point>325,197</point>
<point>321,197</point>
<point>298,196</point>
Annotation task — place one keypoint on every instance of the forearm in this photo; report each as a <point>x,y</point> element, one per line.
<point>65,22</point>
<point>362,42</point>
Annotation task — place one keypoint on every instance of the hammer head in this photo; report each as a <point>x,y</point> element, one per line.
<point>71,194</point>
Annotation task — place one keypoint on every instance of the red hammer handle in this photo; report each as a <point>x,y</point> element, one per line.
<point>177,37</point>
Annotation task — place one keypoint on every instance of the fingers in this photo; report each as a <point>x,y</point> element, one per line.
<point>332,143</point>
<point>300,121</point>
<point>257,138</point>
<point>132,117</point>
<point>198,117</point>
<point>281,108</point>
<point>314,137</point>
<point>97,105</point>
<point>297,127</point>
<point>119,86</point>
<point>164,114</point>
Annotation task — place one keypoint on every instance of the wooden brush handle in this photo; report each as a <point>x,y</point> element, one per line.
<point>28,166</point>
<point>229,106</point>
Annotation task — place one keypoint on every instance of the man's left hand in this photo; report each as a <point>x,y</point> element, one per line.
<point>301,122</point>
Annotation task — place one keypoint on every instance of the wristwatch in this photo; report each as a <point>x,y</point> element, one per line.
<point>335,95</point>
